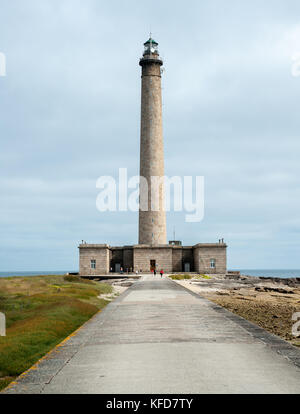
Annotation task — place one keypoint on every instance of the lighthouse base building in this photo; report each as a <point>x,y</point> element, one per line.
<point>101,259</point>
<point>153,252</point>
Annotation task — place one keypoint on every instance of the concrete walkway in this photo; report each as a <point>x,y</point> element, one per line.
<point>160,338</point>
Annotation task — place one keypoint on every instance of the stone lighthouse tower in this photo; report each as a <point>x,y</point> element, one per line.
<point>152,252</point>
<point>152,216</point>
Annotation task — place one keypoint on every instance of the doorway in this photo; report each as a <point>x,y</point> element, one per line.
<point>152,265</point>
<point>187,267</point>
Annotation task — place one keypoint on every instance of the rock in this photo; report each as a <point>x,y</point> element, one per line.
<point>273,289</point>
<point>125,284</point>
<point>232,277</point>
<point>292,282</point>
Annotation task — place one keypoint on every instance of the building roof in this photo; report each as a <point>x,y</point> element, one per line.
<point>151,41</point>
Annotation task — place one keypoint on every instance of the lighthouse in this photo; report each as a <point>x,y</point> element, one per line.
<point>152,251</point>
<point>152,216</point>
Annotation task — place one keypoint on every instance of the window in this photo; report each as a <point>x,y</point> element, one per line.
<point>212,263</point>
<point>93,264</point>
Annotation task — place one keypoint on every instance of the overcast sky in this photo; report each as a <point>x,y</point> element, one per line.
<point>70,113</point>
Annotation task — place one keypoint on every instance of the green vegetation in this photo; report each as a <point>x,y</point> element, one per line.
<point>189,277</point>
<point>204,277</point>
<point>40,312</point>
<point>180,277</point>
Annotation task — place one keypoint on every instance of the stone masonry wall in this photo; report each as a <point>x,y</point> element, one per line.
<point>98,253</point>
<point>188,257</point>
<point>162,256</point>
<point>128,259</point>
<point>169,258</point>
<point>177,259</point>
<point>152,222</point>
<point>203,255</point>
<point>116,258</point>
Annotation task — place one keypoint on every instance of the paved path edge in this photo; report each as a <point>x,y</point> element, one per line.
<point>277,344</point>
<point>51,363</point>
<point>35,379</point>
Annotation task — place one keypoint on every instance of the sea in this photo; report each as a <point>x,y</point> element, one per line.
<point>280,273</point>
<point>35,273</point>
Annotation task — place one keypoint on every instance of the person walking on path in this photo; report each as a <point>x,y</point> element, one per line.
<point>154,272</point>
<point>161,273</point>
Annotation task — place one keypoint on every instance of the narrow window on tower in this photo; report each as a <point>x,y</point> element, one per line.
<point>212,263</point>
<point>93,264</point>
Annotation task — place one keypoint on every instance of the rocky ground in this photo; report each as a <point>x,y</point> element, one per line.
<point>269,303</point>
<point>119,286</point>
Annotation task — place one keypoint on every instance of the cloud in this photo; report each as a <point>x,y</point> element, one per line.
<point>70,111</point>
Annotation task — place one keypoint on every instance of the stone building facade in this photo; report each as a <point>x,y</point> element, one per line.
<point>152,252</point>
<point>102,259</point>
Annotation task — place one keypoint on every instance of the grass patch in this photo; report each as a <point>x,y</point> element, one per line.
<point>181,277</point>
<point>40,312</point>
<point>76,279</point>
<point>206,277</point>
<point>4,382</point>
<point>188,277</point>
